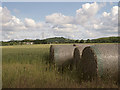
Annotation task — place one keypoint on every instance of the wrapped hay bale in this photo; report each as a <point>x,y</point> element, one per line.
<point>51,53</point>
<point>61,54</point>
<point>100,61</point>
<point>77,55</point>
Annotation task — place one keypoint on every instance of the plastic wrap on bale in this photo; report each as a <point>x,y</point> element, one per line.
<point>61,54</point>
<point>77,55</point>
<point>100,61</point>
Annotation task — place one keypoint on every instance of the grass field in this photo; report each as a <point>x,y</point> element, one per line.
<point>27,66</point>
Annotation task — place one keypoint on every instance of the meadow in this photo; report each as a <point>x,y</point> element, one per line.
<point>27,66</point>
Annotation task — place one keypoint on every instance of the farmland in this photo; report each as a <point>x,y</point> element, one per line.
<point>26,66</point>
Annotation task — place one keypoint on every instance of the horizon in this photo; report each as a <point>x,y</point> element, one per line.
<point>38,20</point>
<point>56,37</point>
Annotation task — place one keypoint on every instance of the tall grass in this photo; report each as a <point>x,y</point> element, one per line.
<point>27,66</point>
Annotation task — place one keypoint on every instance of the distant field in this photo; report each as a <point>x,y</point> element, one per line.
<point>26,66</point>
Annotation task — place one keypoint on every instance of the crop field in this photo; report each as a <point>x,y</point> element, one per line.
<point>26,66</point>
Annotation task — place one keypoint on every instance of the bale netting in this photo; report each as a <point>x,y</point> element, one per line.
<point>51,53</point>
<point>61,54</point>
<point>77,55</point>
<point>100,61</point>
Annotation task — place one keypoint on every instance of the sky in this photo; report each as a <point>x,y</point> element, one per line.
<point>74,20</point>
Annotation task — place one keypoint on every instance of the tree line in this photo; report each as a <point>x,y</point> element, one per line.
<point>58,40</point>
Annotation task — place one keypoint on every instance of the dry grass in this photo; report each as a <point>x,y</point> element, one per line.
<point>27,67</point>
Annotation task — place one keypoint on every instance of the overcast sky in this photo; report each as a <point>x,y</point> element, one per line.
<point>63,19</point>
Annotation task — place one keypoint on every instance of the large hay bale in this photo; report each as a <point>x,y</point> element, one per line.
<point>61,54</point>
<point>100,61</point>
<point>77,55</point>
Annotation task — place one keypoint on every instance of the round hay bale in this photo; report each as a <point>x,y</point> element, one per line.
<point>51,53</point>
<point>100,61</point>
<point>77,55</point>
<point>61,54</point>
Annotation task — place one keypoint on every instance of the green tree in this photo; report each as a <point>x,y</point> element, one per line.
<point>81,41</point>
<point>76,41</point>
<point>88,41</point>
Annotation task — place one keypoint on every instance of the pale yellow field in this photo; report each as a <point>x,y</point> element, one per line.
<point>26,66</point>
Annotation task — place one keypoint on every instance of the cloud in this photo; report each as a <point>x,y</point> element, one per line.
<point>85,14</point>
<point>14,28</point>
<point>85,24</point>
<point>114,10</point>
<point>30,22</point>
<point>109,21</point>
<point>10,23</point>
<point>13,24</point>
<point>6,16</point>
<point>105,14</point>
<point>58,18</point>
<point>86,21</point>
